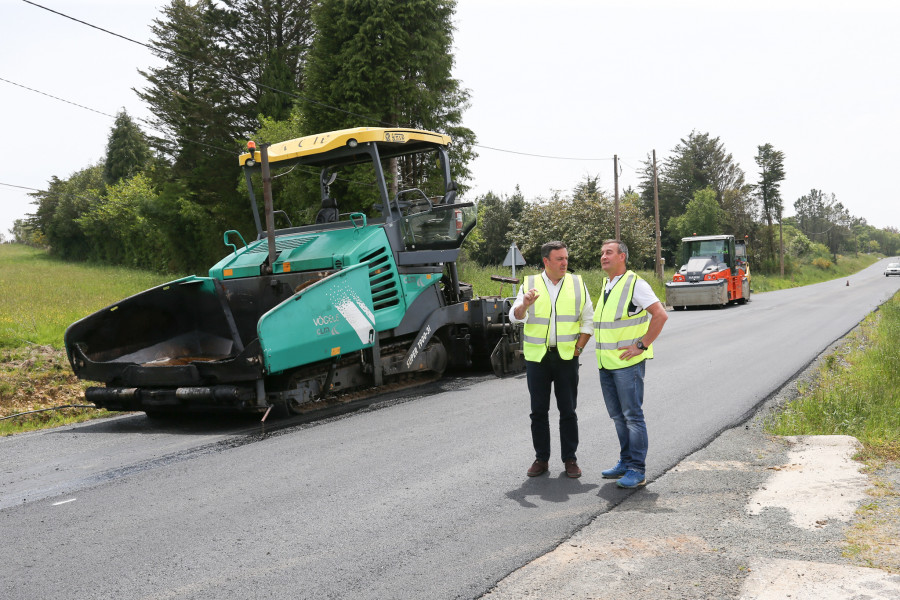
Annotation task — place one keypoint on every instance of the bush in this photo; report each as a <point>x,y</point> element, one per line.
<point>818,250</point>
<point>822,263</point>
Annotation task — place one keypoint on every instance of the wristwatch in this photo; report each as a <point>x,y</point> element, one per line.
<point>640,345</point>
<point>580,349</point>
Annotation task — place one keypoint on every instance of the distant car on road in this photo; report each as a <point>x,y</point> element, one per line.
<point>892,269</point>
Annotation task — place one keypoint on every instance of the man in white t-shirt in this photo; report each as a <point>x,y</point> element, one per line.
<point>627,318</point>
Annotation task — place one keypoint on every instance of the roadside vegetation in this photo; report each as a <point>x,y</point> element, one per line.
<point>804,274</point>
<point>857,392</point>
<point>39,297</point>
<point>480,278</point>
<point>815,271</point>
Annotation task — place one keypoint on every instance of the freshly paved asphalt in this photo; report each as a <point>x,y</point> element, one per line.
<point>424,495</point>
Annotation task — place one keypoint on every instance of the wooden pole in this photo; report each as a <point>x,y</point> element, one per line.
<point>781,244</point>
<point>659,266</point>
<point>616,180</point>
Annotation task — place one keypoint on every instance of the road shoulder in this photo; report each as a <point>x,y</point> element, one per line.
<point>750,516</point>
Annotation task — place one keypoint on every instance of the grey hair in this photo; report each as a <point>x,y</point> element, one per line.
<point>623,249</point>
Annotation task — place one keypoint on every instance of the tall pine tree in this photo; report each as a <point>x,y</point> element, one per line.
<point>269,41</point>
<point>193,103</point>
<point>387,63</point>
<point>696,163</point>
<point>127,151</point>
<point>196,105</point>
<point>771,174</point>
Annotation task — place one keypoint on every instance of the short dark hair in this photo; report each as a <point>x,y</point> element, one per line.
<point>623,249</point>
<point>549,247</point>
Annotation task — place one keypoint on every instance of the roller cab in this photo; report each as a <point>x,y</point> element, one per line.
<point>714,272</point>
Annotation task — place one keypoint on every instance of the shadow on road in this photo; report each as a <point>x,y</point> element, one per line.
<point>138,422</point>
<point>250,424</point>
<point>549,489</point>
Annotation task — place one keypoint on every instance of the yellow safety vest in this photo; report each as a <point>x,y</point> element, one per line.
<point>614,328</point>
<point>569,304</point>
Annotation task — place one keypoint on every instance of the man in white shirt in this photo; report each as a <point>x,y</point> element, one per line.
<point>558,316</point>
<point>628,319</point>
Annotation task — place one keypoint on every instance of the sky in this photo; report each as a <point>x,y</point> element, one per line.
<point>573,82</point>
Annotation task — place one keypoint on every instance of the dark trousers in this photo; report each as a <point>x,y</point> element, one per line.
<point>562,375</point>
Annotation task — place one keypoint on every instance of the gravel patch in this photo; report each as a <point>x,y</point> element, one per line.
<point>750,516</point>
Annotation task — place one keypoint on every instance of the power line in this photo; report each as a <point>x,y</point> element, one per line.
<point>822,232</point>
<point>290,94</point>
<point>181,56</point>
<point>147,124</point>
<point>540,155</point>
<point>25,87</point>
<point>234,153</point>
<point>625,164</point>
<point>21,187</point>
<point>144,121</point>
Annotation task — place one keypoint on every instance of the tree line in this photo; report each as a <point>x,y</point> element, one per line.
<point>701,191</point>
<point>235,70</point>
<point>270,70</point>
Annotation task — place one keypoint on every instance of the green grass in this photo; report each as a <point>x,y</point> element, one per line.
<point>41,296</point>
<point>807,274</point>
<point>49,419</point>
<point>857,390</point>
<point>480,278</point>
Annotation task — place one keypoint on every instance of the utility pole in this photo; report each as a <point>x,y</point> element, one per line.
<point>781,243</point>
<point>659,266</point>
<point>616,180</point>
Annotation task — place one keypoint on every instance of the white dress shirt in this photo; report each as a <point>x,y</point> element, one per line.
<point>586,319</point>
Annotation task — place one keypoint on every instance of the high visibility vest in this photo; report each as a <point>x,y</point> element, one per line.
<point>569,304</point>
<point>614,328</point>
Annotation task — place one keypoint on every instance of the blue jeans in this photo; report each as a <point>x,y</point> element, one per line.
<point>623,392</point>
<point>563,376</point>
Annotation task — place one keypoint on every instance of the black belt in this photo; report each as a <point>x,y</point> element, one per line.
<point>551,349</point>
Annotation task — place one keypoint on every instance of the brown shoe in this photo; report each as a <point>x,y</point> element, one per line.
<point>539,467</point>
<point>572,469</point>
